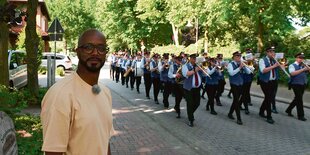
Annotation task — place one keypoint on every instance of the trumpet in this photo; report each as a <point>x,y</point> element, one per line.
<point>303,63</point>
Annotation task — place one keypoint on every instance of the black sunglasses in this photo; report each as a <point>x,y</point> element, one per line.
<point>89,48</point>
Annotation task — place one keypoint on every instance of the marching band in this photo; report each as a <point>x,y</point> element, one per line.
<point>185,77</point>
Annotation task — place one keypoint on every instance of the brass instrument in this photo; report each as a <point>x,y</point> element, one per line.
<point>303,63</point>
<point>283,69</point>
<point>127,72</point>
<point>147,64</point>
<point>247,66</point>
<point>179,80</point>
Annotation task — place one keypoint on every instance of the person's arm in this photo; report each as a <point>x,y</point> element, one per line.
<point>264,69</point>
<point>294,72</point>
<point>170,72</point>
<point>55,153</point>
<point>231,70</point>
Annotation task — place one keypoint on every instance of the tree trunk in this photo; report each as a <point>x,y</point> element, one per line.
<point>175,31</point>
<point>4,41</point>
<point>206,40</point>
<point>32,43</point>
<point>260,35</point>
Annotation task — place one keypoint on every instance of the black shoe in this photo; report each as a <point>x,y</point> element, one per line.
<point>207,108</point>
<point>270,120</point>
<point>126,86</point>
<point>213,112</point>
<point>246,111</point>
<point>250,104</point>
<point>203,97</point>
<point>148,97</point>
<point>156,102</point>
<point>274,111</point>
<point>239,122</point>
<point>230,116</point>
<point>191,124</point>
<point>138,91</point>
<point>178,115</point>
<point>262,115</point>
<point>131,88</point>
<point>219,104</point>
<point>302,118</point>
<point>241,108</point>
<point>289,113</point>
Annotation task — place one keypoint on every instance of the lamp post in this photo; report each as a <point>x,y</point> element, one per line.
<point>189,24</point>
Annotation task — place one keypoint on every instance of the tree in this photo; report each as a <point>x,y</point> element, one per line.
<point>32,43</point>
<point>7,15</point>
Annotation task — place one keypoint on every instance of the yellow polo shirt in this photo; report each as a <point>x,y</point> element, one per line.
<point>75,120</point>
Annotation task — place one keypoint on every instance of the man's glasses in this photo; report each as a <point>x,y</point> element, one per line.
<point>89,48</point>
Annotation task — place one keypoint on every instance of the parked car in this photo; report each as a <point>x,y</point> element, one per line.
<point>17,69</point>
<point>62,60</point>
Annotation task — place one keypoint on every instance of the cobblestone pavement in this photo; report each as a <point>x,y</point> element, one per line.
<point>143,127</point>
<point>146,128</point>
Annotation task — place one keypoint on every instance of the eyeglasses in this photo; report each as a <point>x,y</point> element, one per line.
<point>89,48</point>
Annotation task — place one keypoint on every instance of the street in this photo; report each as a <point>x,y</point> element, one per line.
<point>143,127</point>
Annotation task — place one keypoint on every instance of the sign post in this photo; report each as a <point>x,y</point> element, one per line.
<point>55,32</point>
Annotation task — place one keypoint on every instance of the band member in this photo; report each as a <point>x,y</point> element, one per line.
<point>130,76</point>
<point>298,82</point>
<point>138,71</point>
<point>113,65</point>
<point>235,70</point>
<point>164,79</point>
<point>211,84</point>
<point>176,78</point>
<point>222,82</point>
<point>247,82</point>
<point>155,75</point>
<point>124,68</point>
<point>192,82</point>
<point>268,80</point>
<point>147,73</point>
<point>118,67</point>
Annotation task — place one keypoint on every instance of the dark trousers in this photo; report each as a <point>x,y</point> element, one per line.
<point>113,71</point>
<point>138,82</point>
<point>220,89</point>
<point>122,76</point>
<point>132,79</point>
<point>269,90</point>
<point>166,93</point>
<point>147,83</point>
<point>298,102</point>
<point>156,86</point>
<point>211,90</point>
<point>235,106</point>
<point>178,91</point>
<point>192,98</point>
<point>246,97</point>
<point>117,73</point>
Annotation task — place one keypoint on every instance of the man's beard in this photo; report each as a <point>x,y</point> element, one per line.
<point>90,67</point>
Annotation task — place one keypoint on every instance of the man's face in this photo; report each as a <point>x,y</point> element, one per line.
<point>92,51</point>
<point>192,60</point>
<point>299,60</point>
<point>237,58</point>
<point>271,54</point>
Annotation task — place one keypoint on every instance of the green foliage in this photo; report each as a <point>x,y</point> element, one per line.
<point>30,124</point>
<point>42,70</point>
<point>12,101</point>
<point>60,71</point>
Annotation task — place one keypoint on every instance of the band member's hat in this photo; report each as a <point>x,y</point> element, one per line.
<point>248,50</point>
<point>270,49</point>
<point>211,60</point>
<point>156,55</point>
<point>237,53</point>
<point>179,58</point>
<point>146,53</point>
<point>193,55</point>
<point>219,56</point>
<point>166,55</point>
<point>300,55</point>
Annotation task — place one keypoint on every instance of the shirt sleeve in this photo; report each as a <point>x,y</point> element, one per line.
<point>291,68</point>
<point>184,70</point>
<point>170,72</point>
<point>231,70</point>
<point>56,118</point>
<point>262,65</point>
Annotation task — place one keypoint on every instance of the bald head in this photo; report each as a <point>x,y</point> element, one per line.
<point>84,38</point>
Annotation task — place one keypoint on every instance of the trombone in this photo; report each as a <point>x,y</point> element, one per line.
<point>305,64</point>
<point>288,75</point>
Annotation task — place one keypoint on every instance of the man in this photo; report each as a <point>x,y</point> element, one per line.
<point>77,110</point>
<point>298,82</point>
<point>221,81</point>
<point>155,75</point>
<point>211,84</point>
<point>130,77</point>
<point>164,79</point>
<point>147,73</point>
<point>192,82</point>
<point>175,75</point>
<point>138,71</point>
<point>247,82</point>
<point>235,71</point>
<point>268,80</point>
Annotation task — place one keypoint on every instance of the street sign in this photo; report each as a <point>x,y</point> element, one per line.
<point>55,27</point>
<point>58,37</point>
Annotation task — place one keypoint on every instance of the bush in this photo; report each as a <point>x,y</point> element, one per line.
<point>60,71</point>
<point>12,101</point>
<point>28,144</point>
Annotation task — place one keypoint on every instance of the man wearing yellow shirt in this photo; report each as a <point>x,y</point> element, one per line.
<point>77,110</point>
